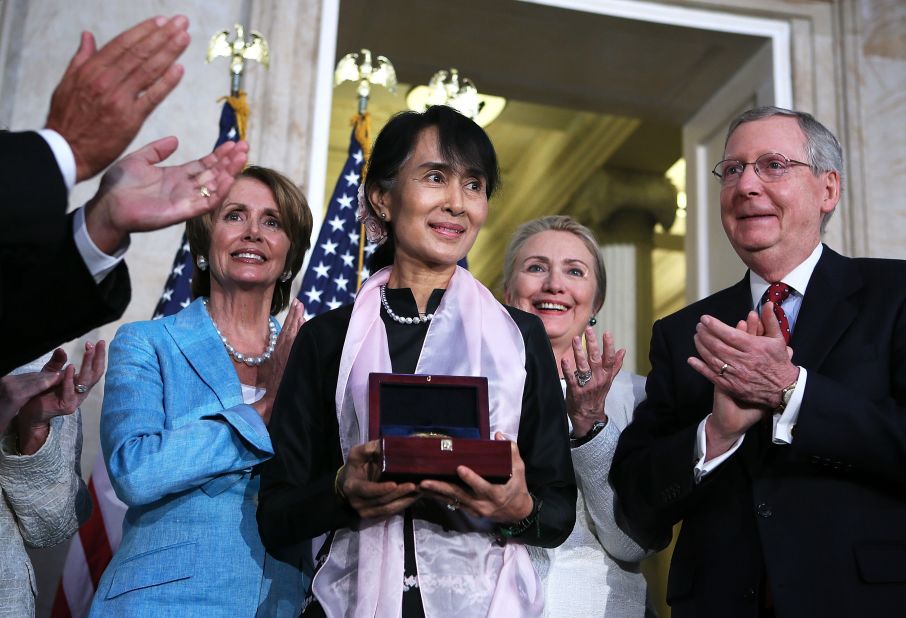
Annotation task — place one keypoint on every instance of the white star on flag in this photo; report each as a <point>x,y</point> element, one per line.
<point>336,223</point>
<point>345,201</point>
<point>322,270</point>
<point>352,179</point>
<point>341,282</point>
<point>314,295</point>
<point>330,247</point>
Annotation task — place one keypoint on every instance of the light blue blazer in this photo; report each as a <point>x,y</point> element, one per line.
<point>180,447</point>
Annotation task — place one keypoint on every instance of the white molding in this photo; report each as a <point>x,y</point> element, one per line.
<point>320,134</point>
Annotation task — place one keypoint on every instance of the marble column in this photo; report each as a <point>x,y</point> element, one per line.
<point>622,209</point>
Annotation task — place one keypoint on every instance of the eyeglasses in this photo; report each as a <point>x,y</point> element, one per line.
<point>770,166</point>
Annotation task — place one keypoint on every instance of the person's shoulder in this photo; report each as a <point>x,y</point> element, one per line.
<point>328,324</point>
<point>881,268</point>
<point>527,322</point>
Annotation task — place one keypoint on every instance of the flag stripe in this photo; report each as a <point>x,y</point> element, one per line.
<point>95,544</point>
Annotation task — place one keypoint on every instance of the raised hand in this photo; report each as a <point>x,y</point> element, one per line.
<point>105,96</point>
<point>585,401</point>
<point>66,391</point>
<point>503,503</point>
<point>138,196</point>
<point>371,499</point>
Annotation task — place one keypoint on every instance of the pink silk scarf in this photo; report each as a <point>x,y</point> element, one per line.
<point>459,573</point>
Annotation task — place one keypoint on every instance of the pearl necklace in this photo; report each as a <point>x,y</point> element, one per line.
<point>416,320</point>
<point>251,361</point>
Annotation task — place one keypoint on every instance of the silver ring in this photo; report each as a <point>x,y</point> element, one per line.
<point>723,369</point>
<point>451,506</point>
<point>204,191</point>
<point>583,377</point>
<point>81,389</point>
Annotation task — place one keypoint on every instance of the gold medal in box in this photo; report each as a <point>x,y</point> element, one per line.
<point>429,425</point>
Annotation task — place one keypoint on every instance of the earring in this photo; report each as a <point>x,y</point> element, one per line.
<point>202,262</point>
<point>592,321</point>
<point>287,274</point>
<point>383,215</point>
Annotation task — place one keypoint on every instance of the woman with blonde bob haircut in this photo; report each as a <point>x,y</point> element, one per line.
<point>554,269</point>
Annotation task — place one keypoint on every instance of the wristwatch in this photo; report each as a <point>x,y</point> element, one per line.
<point>785,396</point>
<point>595,430</point>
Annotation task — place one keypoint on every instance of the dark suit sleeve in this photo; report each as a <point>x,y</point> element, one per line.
<point>653,466</point>
<point>853,415</point>
<point>34,193</point>
<point>544,441</point>
<point>296,501</point>
<point>52,298</point>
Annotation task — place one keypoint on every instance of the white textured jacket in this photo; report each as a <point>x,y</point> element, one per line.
<point>596,571</point>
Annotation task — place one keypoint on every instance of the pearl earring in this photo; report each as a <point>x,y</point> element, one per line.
<point>592,321</point>
<point>202,262</point>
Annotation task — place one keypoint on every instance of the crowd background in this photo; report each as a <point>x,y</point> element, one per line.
<point>848,57</point>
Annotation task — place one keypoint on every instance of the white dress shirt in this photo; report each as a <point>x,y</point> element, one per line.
<point>99,263</point>
<point>797,280</point>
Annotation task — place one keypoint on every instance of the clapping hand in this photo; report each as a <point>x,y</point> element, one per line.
<point>56,390</point>
<point>105,95</point>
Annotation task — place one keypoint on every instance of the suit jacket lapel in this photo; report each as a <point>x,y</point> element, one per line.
<point>828,308</point>
<point>194,334</point>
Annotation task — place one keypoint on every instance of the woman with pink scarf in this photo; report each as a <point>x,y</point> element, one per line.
<point>431,548</point>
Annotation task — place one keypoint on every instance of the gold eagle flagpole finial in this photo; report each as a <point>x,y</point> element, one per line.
<point>238,50</point>
<point>359,67</point>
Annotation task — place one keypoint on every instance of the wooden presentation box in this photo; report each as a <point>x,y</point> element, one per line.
<point>430,424</point>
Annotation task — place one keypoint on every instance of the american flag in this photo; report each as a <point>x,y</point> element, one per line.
<point>98,539</point>
<point>337,259</point>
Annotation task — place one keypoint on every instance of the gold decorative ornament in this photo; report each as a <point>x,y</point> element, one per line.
<point>238,50</point>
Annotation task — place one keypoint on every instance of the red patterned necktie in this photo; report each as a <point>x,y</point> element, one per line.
<point>777,293</point>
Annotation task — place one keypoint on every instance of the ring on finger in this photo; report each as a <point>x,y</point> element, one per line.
<point>204,191</point>
<point>723,369</point>
<point>81,389</point>
<point>453,506</point>
<point>583,377</point>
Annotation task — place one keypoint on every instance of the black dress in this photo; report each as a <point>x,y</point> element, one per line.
<point>297,499</point>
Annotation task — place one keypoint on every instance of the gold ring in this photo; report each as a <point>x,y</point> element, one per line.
<point>204,191</point>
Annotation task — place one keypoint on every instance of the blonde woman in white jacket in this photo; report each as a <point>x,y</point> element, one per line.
<point>553,268</point>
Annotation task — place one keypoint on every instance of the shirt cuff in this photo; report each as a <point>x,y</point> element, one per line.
<point>702,469</point>
<point>784,423</point>
<point>63,154</point>
<point>99,263</point>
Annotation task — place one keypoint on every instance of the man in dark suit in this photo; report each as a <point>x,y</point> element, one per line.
<point>60,275</point>
<point>775,423</point>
